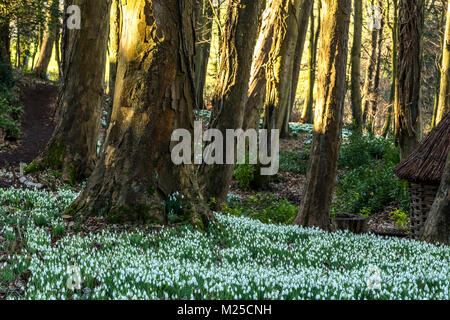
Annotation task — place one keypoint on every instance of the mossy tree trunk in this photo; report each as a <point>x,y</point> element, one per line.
<point>203,31</point>
<point>231,92</point>
<point>332,66</point>
<point>409,67</point>
<point>72,148</point>
<point>257,87</point>
<point>355,83</point>
<point>437,226</point>
<point>49,40</point>
<point>154,96</point>
<point>307,114</point>
<point>444,95</point>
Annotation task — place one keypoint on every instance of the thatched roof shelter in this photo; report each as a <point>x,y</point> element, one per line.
<point>426,163</point>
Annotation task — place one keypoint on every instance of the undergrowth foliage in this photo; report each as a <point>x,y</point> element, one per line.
<point>10,110</point>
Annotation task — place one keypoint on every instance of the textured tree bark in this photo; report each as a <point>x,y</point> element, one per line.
<point>370,75</point>
<point>332,65</point>
<point>355,84</point>
<point>373,103</point>
<point>73,146</point>
<point>203,28</point>
<point>444,95</point>
<point>154,97</point>
<point>257,87</point>
<point>307,114</point>
<point>48,42</point>
<point>393,29</point>
<point>231,93</point>
<point>114,42</point>
<point>437,226</point>
<point>409,67</point>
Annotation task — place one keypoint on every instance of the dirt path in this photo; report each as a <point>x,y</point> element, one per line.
<point>39,102</point>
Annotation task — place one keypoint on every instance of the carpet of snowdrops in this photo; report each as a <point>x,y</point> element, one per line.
<point>244,259</point>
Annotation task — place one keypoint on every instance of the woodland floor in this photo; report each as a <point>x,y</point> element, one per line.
<point>39,101</point>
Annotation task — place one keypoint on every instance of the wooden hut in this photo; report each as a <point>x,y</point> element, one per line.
<point>423,169</point>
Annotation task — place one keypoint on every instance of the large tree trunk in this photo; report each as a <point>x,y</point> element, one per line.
<point>307,114</point>
<point>49,40</point>
<point>409,67</point>
<point>154,97</point>
<point>231,93</point>
<point>203,30</point>
<point>332,65</point>
<point>73,146</point>
<point>355,84</point>
<point>437,226</point>
<point>257,87</point>
<point>444,95</point>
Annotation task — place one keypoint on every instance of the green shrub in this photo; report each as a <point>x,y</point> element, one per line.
<point>264,207</point>
<point>244,174</point>
<point>10,110</point>
<point>369,189</point>
<point>401,218</point>
<point>294,161</point>
<point>363,149</point>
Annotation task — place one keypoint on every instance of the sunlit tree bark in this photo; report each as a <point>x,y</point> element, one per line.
<point>307,114</point>
<point>332,65</point>
<point>73,146</point>
<point>231,92</point>
<point>49,40</point>
<point>154,96</point>
<point>203,30</point>
<point>444,95</point>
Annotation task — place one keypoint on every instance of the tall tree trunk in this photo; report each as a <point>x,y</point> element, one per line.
<point>444,95</point>
<point>281,66</point>
<point>231,93</point>
<point>332,65</point>
<point>373,103</point>
<point>49,40</point>
<point>303,21</point>
<point>370,75</point>
<point>203,27</point>
<point>437,226</point>
<point>355,84</point>
<point>257,87</point>
<point>73,146</point>
<point>409,67</point>
<point>307,114</point>
<point>154,97</point>
<point>393,28</point>
<point>115,30</point>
